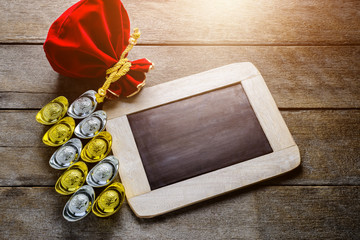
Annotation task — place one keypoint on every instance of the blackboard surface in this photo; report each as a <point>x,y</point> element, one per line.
<point>184,139</point>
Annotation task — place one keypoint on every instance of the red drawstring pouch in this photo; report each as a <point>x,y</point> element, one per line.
<point>92,39</point>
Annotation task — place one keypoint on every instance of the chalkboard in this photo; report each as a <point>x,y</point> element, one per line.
<point>194,138</point>
<point>197,135</point>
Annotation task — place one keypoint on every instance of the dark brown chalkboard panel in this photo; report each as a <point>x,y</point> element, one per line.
<point>197,135</point>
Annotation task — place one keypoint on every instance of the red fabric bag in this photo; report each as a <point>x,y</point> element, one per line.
<point>89,38</point>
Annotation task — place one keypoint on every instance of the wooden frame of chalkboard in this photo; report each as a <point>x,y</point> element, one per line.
<point>148,202</point>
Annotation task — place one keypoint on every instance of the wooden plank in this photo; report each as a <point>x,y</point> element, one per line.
<point>131,169</point>
<point>27,166</point>
<point>328,141</point>
<point>329,147</point>
<point>182,88</point>
<point>298,77</point>
<point>215,183</point>
<point>204,22</point>
<point>254,213</point>
<point>19,128</point>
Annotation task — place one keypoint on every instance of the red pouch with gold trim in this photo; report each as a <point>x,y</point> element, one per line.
<point>88,39</point>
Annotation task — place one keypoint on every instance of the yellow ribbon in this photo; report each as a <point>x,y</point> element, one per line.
<point>119,69</point>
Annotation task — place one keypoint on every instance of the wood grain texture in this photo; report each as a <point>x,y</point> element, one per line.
<point>27,166</point>
<point>328,140</point>
<point>19,128</point>
<point>131,168</point>
<point>252,213</point>
<point>267,113</point>
<point>182,88</point>
<point>332,140</point>
<point>298,77</point>
<point>215,22</point>
<point>215,183</point>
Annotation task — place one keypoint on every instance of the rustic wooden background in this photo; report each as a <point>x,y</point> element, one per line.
<point>309,54</point>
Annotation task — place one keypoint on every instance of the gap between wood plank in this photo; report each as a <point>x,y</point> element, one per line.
<point>248,187</point>
<point>281,109</point>
<point>191,44</point>
<point>310,76</point>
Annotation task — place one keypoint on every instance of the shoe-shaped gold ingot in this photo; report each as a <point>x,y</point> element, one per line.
<point>109,201</point>
<point>72,179</point>
<point>60,133</point>
<point>52,112</point>
<point>98,148</point>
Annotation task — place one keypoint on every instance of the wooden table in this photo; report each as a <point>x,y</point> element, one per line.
<point>309,54</point>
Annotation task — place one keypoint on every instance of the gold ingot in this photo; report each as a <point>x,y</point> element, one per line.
<point>72,179</point>
<point>52,112</point>
<point>60,133</point>
<point>98,148</point>
<point>109,201</point>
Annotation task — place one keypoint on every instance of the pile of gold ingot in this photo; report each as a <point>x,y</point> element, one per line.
<point>71,150</point>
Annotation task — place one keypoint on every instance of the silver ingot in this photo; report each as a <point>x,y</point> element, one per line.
<point>92,125</point>
<point>83,106</point>
<point>103,173</point>
<point>79,205</point>
<point>67,154</point>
